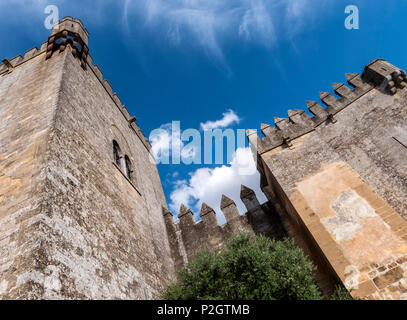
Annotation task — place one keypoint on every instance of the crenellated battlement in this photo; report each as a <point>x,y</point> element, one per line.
<point>70,33</point>
<point>208,215</point>
<point>7,66</point>
<point>187,236</point>
<point>378,74</point>
<point>74,26</point>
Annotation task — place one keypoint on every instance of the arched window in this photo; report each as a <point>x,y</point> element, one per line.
<point>116,153</point>
<point>128,167</point>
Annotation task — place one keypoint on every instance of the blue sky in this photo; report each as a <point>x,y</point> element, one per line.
<point>240,61</point>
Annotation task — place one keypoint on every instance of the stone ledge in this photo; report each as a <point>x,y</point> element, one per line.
<point>128,180</point>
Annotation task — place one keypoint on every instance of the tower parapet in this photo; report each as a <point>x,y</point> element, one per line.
<point>384,75</point>
<point>70,33</point>
<point>72,25</point>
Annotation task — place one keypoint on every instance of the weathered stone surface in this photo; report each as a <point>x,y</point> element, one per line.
<point>341,189</point>
<point>388,278</point>
<point>28,99</point>
<point>72,225</point>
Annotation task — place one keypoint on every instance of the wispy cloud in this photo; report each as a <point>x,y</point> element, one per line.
<point>210,23</point>
<point>257,20</point>
<point>229,117</point>
<point>295,13</point>
<point>207,23</point>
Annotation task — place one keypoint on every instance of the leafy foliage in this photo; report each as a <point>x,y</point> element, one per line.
<point>341,293</point>
<point>248,268</point>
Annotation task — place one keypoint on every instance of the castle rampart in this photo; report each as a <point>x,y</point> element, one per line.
<point>189,236</point>
<point>338,180</point>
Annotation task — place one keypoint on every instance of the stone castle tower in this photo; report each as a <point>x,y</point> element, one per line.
<point>82,210</point>
<point>338,180</point>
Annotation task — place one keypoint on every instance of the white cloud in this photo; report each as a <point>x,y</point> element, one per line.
<point>229,117</point>
<point>180,195</point>
<point>161,142</point>
<point>208,184</point>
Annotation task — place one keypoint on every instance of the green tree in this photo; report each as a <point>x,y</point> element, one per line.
<point>341,293</point>
<point>247,268</point>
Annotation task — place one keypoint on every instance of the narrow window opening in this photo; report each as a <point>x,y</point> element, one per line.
<point>128,167</point>
<point>116,153</point>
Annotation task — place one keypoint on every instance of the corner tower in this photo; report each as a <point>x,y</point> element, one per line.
<point>338,180</point>
<point>80,199</point>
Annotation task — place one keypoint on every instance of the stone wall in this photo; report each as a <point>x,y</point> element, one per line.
<point>73,225</point>
<point>189,236</point>
<point>340,179</point>
<point>28,100</point>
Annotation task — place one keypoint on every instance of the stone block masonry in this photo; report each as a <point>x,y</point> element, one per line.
<point>189,236</point>
<point>339,181</point>
<point>73,225</point>
<point>82,210</point>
